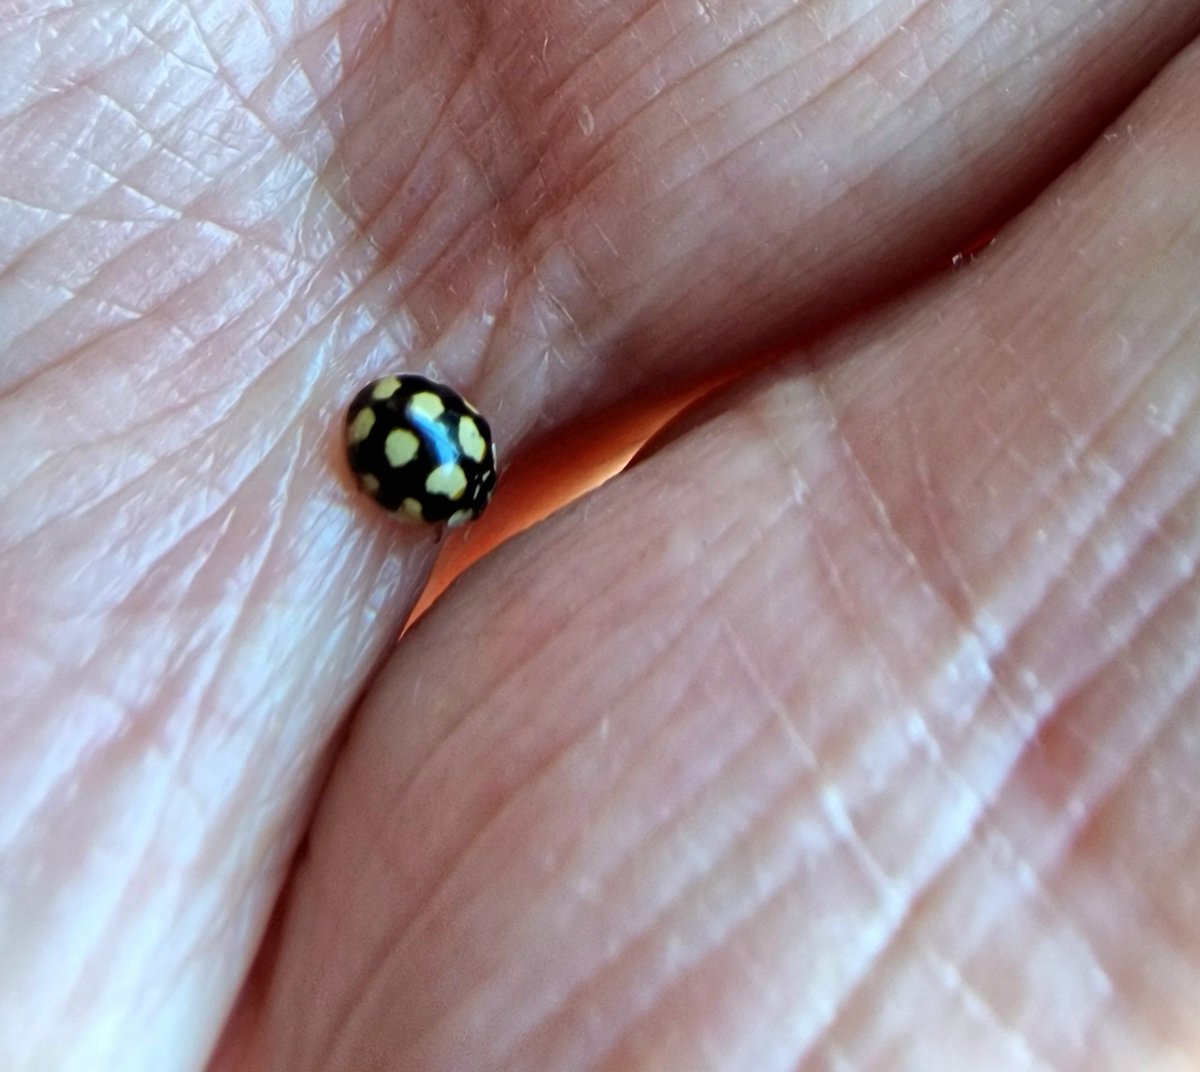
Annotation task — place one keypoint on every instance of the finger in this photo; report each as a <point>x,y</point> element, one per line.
<point>856,727</point>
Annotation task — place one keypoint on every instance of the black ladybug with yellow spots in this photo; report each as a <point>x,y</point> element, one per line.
<point>421,450</point>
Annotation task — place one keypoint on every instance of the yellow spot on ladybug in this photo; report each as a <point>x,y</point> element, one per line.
<point>473,444</point>
<point>426,404</point>
<point>448,480</point>
<point>412,508</point>
<point>385,388</point>
<point>369,483</point>
<point>400,447</point>
<point>361,426</point>
<point>459,517</point>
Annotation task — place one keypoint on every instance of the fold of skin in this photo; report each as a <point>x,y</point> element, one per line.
<point>220,218</point>
<point>855,728</point>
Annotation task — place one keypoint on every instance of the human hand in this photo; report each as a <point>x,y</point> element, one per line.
<point>854,727</point>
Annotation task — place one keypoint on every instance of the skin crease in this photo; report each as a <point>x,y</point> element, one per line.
<point>854,728</point>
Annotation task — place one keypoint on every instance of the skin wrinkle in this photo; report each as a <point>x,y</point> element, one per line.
<point>564,313</point>
<point>724,50</point>
<point>1061,704</point>
<point>1072,367</point>
<point>159,146</point>
<point>584,189</point>
<point>1148,625</point>
<point>226,833</point>
<point>359,29</point>
<point>853,996</point>
<point>360,138</point>
<point>196,528</point>
<point>265,861</point>
<point>640,945</point>
<point>789,118</point>
<point>1028,881</point>
<point>185,669</point>
<point>977,1006</point>
<point>59,231</point>
<point>142,853</point>
<point>592,60</point>
<point>858,63</point>
<point>504,197</point>
<point>62,87</point>
<point>907,557</point>
<point>204,701</point>
<point>270,30</point>
<point>974,93</point>
<point>851,607</point>
<point>487,692</point>
<point>419,280</point>
<point>731,930</point>
<point>1124,403</point>
<point>238,167</point>
<point>841,80</point>
<point>1118,981</point>
<point>488,366</point>
<point>852,192</point>
<point>369,223</point>
<point>884,525</point>
<point>910,556</point>
<point>1028,897</point>
<point>87,87</point>
<point>110,909</point>
<point>962,596</point>
<point>1000,439</point>
<point>665,819</point>
<point>663,827</point>
<point>99,239</point>
<point>171,300</point>
<point>773,701</point>
<point>83,351</point>
<point>204,38</point>
<point>35,805</point>
<point>75,156</point>
<point>449,250</point>
<point>1183,703</point>
<point>244,389</point>
<point>1015,431</point>
<point>1067,566</point>
<point>375,976</point>
<point>1151,529</point>
<point>1092,822</point>
<point>268,450</point>
<point>1173,343</point>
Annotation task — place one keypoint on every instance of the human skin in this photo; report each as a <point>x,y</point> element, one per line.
<point>854,727</point>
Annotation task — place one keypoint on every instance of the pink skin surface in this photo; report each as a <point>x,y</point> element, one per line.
<point>855,727</point>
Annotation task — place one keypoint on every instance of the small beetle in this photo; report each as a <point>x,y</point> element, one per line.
<point>421,450</point>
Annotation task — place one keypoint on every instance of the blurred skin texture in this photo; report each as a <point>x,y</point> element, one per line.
<point>854,727</point>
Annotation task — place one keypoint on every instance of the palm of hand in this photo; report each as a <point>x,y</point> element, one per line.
<point>853,728</point>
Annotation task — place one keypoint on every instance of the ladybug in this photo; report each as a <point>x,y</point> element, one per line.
<point>421,450</point>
